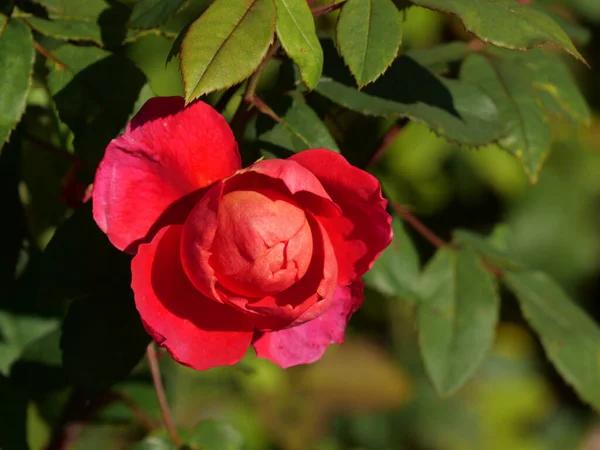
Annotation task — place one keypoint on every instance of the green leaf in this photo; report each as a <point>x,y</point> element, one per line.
<point>438,58</point>
<point>486,250</point>
<point>396,271</point>
<point>226,44</point>
<point>97,21</point>
<point>455,110</point>
<point>508,82</point>
<point>17,332</point>
<point>153,443</point>
<point>148,14</point>
<point>76,30</point>
<point>505,23</point>
<point>369,33</point>
<point>214,435</point>
<point>16,66</point>
<point>95,92</point>
<point>558,90</point>
<point>300,127</point>
<point>74,8</point>
<point>457,317</point>
<point>297,33</point>
<point>569,336</point>
<point>103,338</point>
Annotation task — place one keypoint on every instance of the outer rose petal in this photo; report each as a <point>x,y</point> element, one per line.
<point>166,153</point>
<point>197,332</point>
<point>306,343</point>
<point>366,229</point>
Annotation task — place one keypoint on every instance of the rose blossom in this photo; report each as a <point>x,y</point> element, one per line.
<point>269,256</point>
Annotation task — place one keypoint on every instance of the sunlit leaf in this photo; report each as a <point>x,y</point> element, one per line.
<point>226,44</point>
<point>369,33</point>
<point>297,34</point>
<point>505,23</point>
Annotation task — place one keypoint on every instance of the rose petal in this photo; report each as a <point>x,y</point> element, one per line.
<point>314,289</point>
<point>167,152</point>
<point>197,332</point>
<point>304,300</point>
<point>306,343</point>
<point>366,229</point>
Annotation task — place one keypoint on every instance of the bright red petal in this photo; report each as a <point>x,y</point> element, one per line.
<point>366,229</point>
<point>306,343</point>
<point>197,332</point>
<point>166,153</point>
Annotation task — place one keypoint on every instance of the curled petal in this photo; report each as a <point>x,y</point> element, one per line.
<point>306,343</point>
<point>303,301</point>
<point>197,331</point>
<point>365,229</point>
<point>167,153</point>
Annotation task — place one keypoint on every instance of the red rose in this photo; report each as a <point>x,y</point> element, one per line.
<point>227,257</point>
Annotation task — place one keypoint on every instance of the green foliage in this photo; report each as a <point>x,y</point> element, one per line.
<point>568,335</point>
<point>226,44</point>
<point>526,88</point>
<point>300,127</point>
<point>505,23</point>
<point>297,34</point>
<point>95,92</point>
<point>458,111</point>
<point>458,312</point>
<point>369,34</point>
<point>213,435</point>
<point>482,120</point>
<point>152,13</point>
<point>396,272</point>
<point>16,66</point>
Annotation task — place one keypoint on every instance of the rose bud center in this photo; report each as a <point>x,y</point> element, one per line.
<point>263,243</point>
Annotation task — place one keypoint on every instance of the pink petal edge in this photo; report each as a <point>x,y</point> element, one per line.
<point>307,343</point>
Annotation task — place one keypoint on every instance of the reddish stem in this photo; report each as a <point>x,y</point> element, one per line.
<point>160,394</point>
<point>327,9</point>
<point>419,226</point>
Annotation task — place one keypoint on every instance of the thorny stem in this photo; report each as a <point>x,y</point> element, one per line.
<point>327,9</point>
<point>419,226</point>
<point>160,394</point>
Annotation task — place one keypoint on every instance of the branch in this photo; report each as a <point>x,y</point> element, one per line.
<point>327,9</point>
<point>385,143</point>
<point>419,226</point>
<point>160,394</point>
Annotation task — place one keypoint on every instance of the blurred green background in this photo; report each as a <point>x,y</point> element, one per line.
<point>372,392</point>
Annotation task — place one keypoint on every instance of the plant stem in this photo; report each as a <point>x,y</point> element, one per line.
<point>253,82</point>
<point>419,226</point>
<point>160,394</point>
<point>327,9</point>
<point>385,143</point>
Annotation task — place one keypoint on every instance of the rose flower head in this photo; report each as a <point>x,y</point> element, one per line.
<point>225,257</point>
